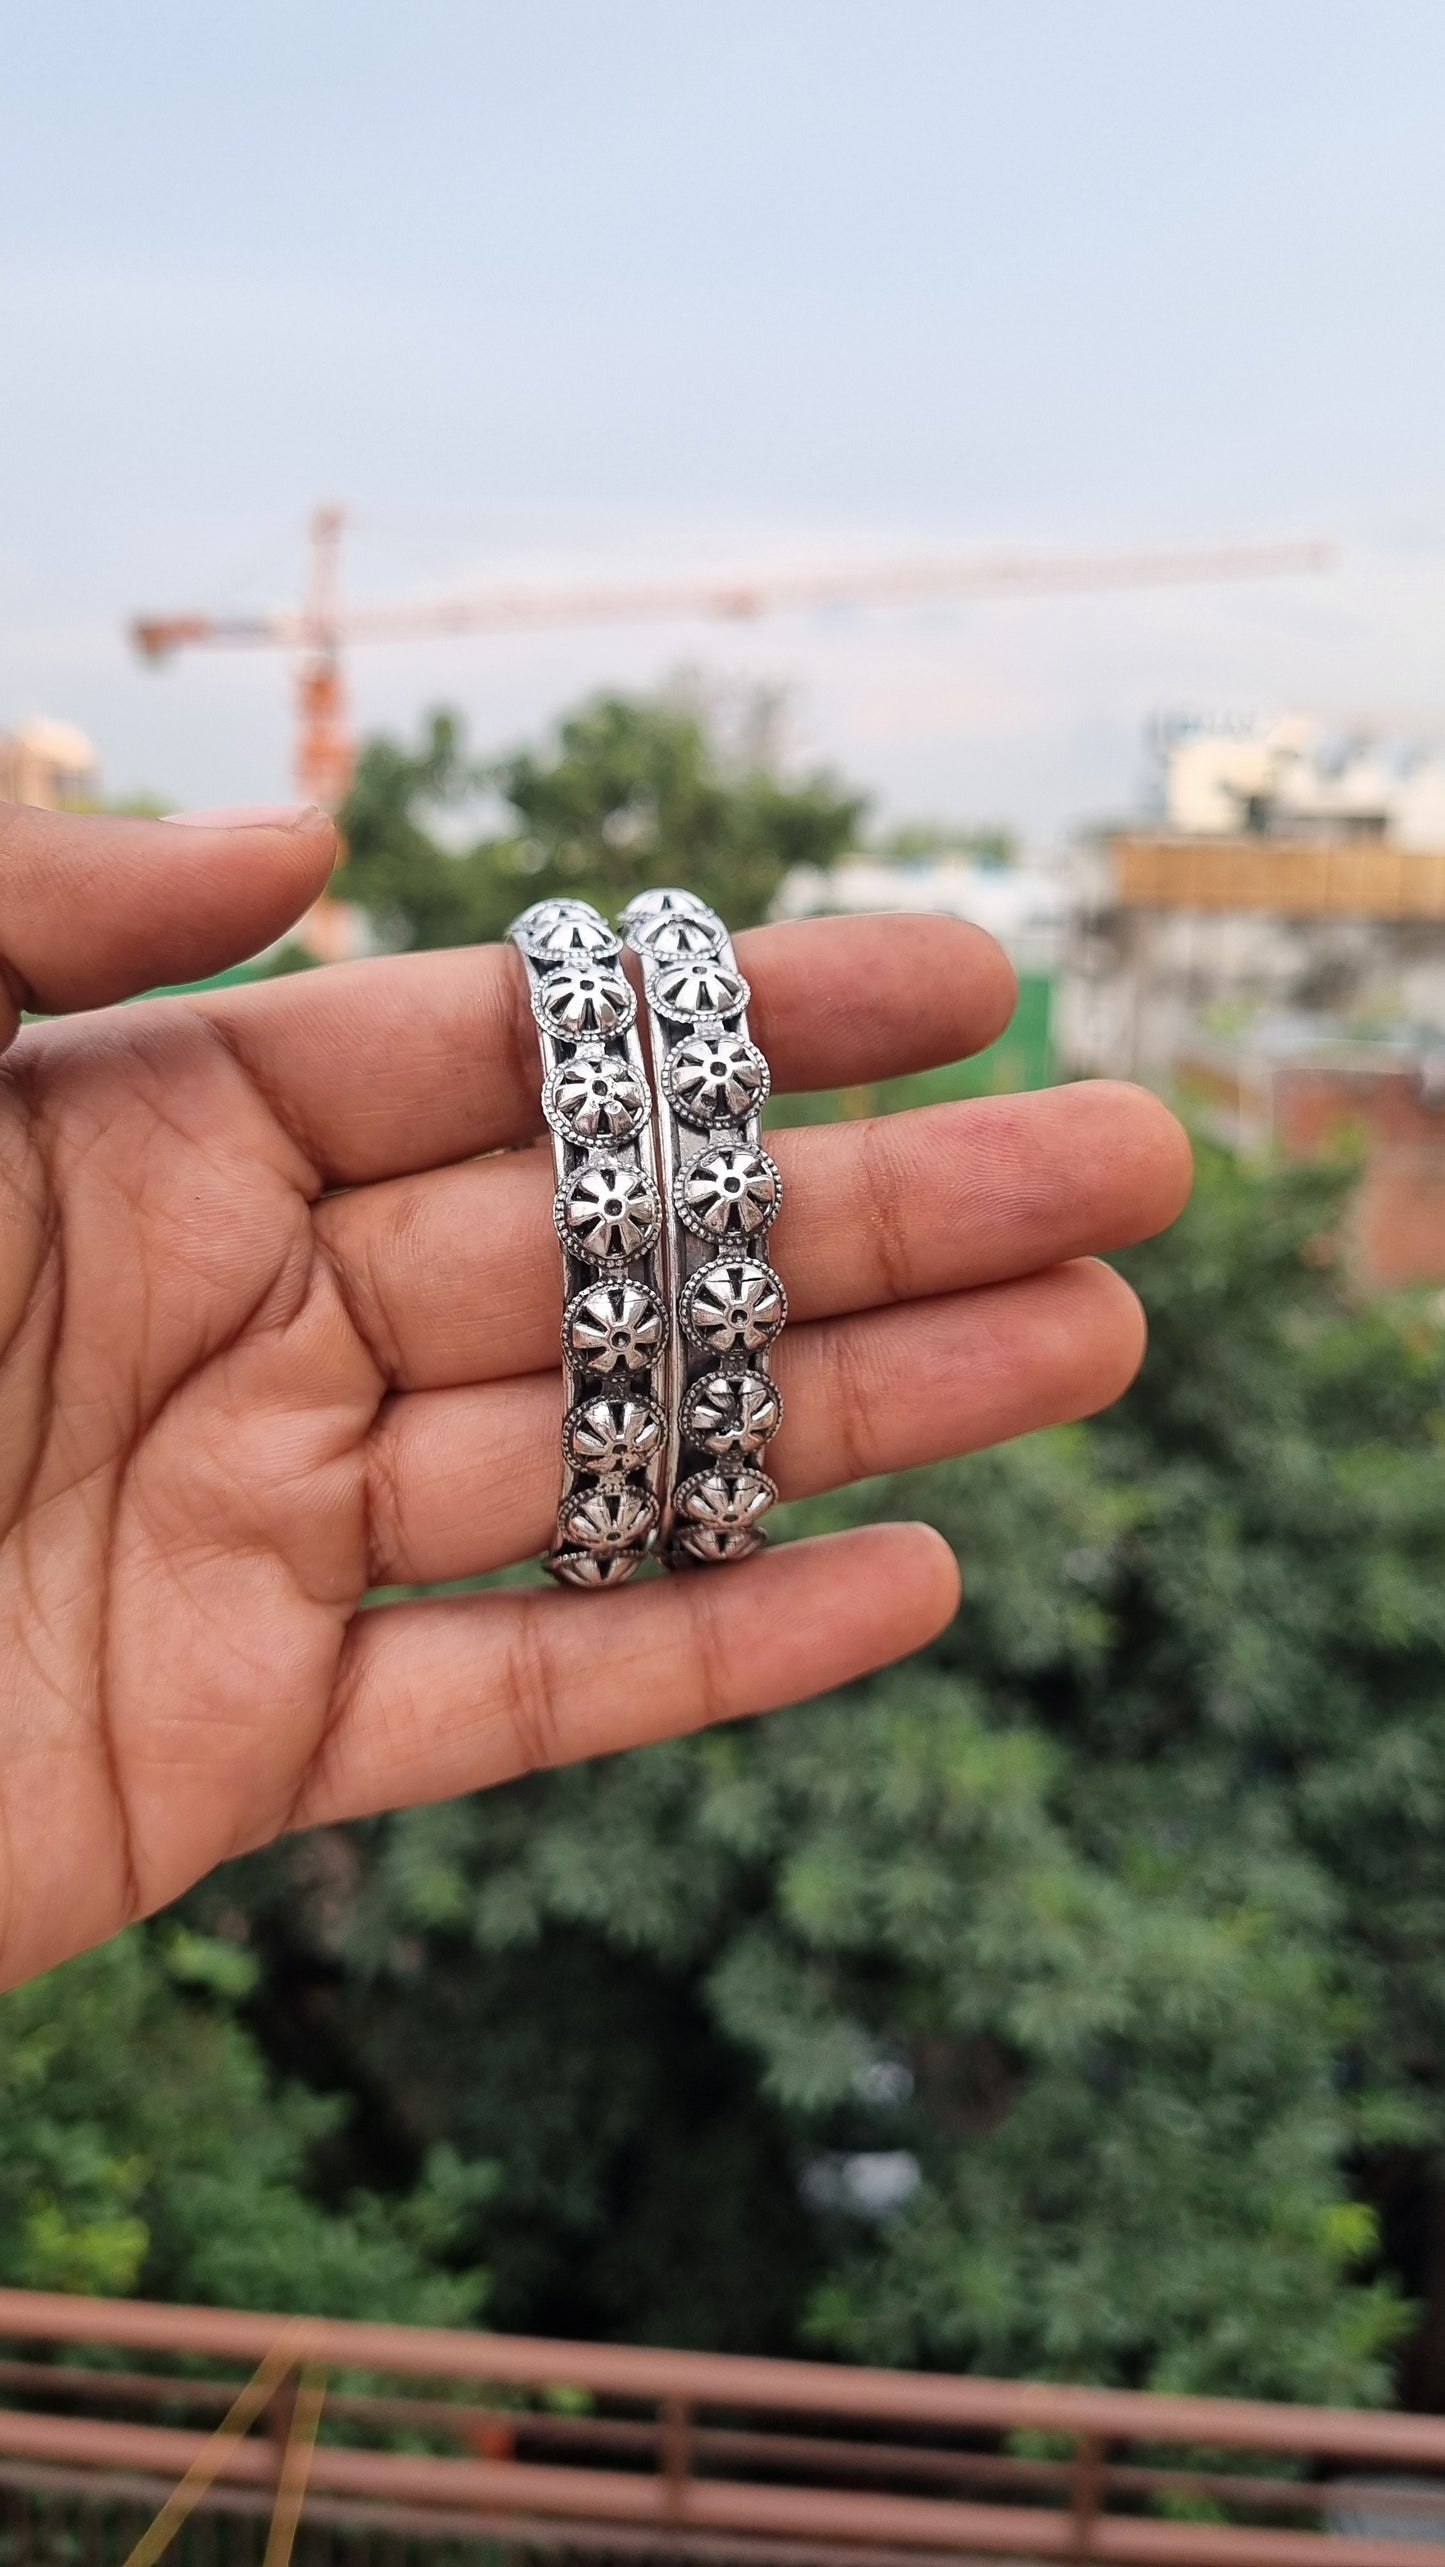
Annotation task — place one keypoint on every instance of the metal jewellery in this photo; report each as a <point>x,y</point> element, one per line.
<point>722,1193</point>
<point>608,1216</point>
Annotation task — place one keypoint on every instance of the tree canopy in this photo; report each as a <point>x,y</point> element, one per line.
<point>1065,2002</point>
<point>1068,2001</point>
<point>631,791</point>
<point>147,2146</point>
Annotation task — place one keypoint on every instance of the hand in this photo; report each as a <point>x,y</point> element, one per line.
<point>274,1330</point>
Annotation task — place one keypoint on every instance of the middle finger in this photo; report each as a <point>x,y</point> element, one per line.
<point>454,1277</point>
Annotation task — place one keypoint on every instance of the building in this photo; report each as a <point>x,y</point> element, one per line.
<point>1275,944</point>
<point>1025,905</point>
<point>49,764</point>
<point>1295,777</point>
<point>1290,1088</point>
<point>1172,936</point>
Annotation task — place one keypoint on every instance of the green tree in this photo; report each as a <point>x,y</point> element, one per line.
<point>1111,1927</point>
<point>631,791</point>
<point>1068,2002</point>
<point>145,2147</point>
<point>912,839</point>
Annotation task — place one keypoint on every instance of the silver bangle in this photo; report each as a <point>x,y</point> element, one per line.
<point>608,1217</point>
<point>722,1193</point>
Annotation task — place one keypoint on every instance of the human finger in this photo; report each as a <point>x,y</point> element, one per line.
<point>94,908</point>
<point>461,1481</point>
<point>455,1277</point>
<point>418,1060</point>
<point>458,1694</point>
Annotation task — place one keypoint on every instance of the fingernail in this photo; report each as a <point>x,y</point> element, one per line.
<point>248,815</point>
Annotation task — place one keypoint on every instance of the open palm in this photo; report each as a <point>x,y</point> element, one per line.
<point>279,1302</point>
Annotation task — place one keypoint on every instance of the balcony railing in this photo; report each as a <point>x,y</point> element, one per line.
<point>131,2431</point>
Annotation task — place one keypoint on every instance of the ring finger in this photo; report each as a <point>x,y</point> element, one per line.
<point>466,1480</point>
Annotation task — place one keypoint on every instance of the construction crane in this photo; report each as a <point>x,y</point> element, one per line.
<point>320,629</point>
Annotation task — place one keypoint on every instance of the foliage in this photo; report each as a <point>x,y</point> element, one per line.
<point>144,2147</point>
<point>917,838</point>
<point>1111,1926</point>
<point>1067,2002</point>
<point>632,791</point>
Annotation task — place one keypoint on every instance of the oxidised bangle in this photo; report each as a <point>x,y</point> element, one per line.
<point>722,1193</point>
<point>608,1216</point>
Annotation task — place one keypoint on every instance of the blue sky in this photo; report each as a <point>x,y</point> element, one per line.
<point>621,285</point>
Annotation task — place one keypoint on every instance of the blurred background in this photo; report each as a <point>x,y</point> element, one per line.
<point>842,456</point>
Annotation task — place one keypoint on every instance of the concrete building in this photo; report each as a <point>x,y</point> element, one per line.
<point>1277,947</point>
<point>1025,905</point>
<point>1295,777</point>
<point>1171,937</point>
<point>49,764</point>
<point>1289,1088</point>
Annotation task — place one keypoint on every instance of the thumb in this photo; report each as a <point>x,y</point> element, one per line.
<point>96,909</point>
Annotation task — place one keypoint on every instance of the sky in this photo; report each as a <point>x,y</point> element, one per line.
<point>608,288</point>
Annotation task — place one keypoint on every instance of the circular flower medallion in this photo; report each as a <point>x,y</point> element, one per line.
<point>729,1192</point>
<point>614,1328</point>
<point>591,1098</point>
<point>724,1502</point>
<point>581,1000</point>
<point>611,1435</point>
<point>563,931</point>
<point>662,903</point>
<point>612,1517</point>
<point>593,1568</point>
<point>706,1543</point>
<point>736,1305</point>
<point>678,937</point>
<point>608,1213</point>
<point>684,991</point>
<point>732,1414</point>
<point>715,1078</point>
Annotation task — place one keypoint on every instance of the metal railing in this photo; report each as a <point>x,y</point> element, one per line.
<point>616,2450</point>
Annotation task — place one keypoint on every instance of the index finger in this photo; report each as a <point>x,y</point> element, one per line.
<point>415,1060</point>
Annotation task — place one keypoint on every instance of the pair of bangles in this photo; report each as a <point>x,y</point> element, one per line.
<point>665,1198</point>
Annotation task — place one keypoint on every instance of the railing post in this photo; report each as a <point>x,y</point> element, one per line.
<point>1088,2490</point>
<point>279,2415</point>
<point>302,2408</point>
<point>675,2415</point>
<point>494,2434</point>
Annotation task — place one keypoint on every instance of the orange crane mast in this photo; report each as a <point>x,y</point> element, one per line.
<point>321,628</point>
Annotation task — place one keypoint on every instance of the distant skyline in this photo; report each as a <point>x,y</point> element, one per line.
<point>616,286</point>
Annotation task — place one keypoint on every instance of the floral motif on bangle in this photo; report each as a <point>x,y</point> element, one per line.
<point>613,1434</point>
<point>715,1078</point>
<point>729,1192</point>
<point>678,937</point>
<point>723,1501</point>
<point>591,1098</point>
<point>563,931</point>
<point>712,1546</point>
<point>662,902</point>
<point>608,1213</point>
<point>732,1414</point>
<point>615,1516</point>
<point>593,1568</point>
<point>684,991</point>
<point>581,1000</point>
<point>738,1304</point>
<point>614,1328</point>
